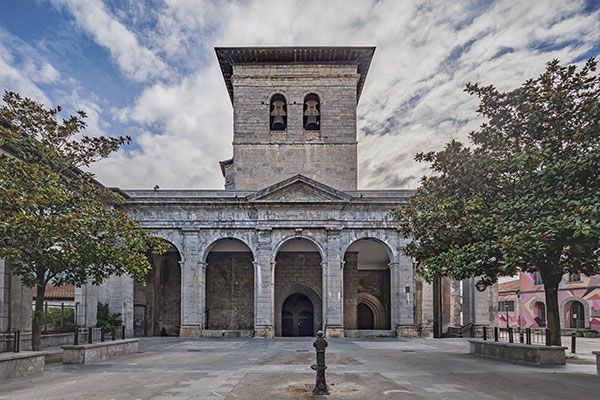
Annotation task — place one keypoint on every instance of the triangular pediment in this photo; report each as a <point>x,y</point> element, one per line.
<point>299,189</point>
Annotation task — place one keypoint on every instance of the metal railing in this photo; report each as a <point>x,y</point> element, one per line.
<point>82,335</point>
<point>58,318</point>
<point>519,335</point>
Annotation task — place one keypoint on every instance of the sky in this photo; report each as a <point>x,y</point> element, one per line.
<point>148,70</point>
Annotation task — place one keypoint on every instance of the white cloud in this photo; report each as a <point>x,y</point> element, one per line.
<point>413,99</point>
<point>136,61</point>
<point>21,68</point>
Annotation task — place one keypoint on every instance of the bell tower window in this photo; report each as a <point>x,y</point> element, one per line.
<point>312,112</point>
<point>278,114</point>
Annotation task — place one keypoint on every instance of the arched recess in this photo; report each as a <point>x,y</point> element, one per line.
<point>367,281</point>
<point>157,303</point>
<point>539,313</point>
<point>298,271</point>
<point>576,313</point>
<point>229,285</point>
<point>376,308</point>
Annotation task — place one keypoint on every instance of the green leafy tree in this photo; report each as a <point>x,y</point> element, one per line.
<point>525,197</point>
<point>57,224</point>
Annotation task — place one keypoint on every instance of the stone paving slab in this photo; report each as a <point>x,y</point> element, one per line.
<point>173,368</point>
<point>299,386</point>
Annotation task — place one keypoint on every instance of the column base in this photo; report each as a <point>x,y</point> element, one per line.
<point>406,331</point>
<point>264,332</point>
<point>189,331</point>
<point>334,331</point>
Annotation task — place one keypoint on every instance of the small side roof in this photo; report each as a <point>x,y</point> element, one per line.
<point>228,56</point>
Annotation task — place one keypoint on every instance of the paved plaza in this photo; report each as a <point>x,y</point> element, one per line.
<point>174,368</point>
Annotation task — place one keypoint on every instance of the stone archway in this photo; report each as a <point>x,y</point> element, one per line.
<point>297,316</point>
<point>157,304</point>
<point>367,286</point>
<point>297,290</point>
<point>229,286</point>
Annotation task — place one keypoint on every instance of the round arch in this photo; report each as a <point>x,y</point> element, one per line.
<point>367,281</point>
<point>379,314</point>
<point>173,238</point>
<point>381,242</point>
<point>317,245</point>
<point>221,239</point>
<point>229,285</point>
<point>157,307</point>
<point>295,288</point>
<point>566,308</point>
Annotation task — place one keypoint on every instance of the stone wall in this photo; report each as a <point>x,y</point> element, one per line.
<point>262,157</point>
<point>230,291</point>
<point>373,282</point>
<point>298,272</point>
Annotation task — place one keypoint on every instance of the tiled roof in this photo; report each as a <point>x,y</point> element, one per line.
<point>510,286</point>
<point>66,291</point>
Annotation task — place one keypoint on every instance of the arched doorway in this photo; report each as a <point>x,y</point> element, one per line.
<point>157,303</point>
<point>298,306</point>
<point>364,317</point>
<point>229,286</point>
<point>576,314</point>
<point>367,298</point>
<point>297,316</point>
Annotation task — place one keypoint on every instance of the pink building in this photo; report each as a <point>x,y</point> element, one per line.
<point>521,302</point>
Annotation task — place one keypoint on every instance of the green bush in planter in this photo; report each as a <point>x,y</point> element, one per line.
<point>106,319</point>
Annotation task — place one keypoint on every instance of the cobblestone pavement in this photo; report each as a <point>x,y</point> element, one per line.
<point>174,368</point>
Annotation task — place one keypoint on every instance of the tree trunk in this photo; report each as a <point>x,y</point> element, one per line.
<point>551,280</point>
<point>38,318</point>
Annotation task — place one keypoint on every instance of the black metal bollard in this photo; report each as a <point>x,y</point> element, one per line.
<point>114,333</point>
<point>90,333</point>
<point>573,344</point>
<point>76,336</point>
<point>123,332</point>
<point>510,335</point>
<point>17,342</point>
<point>495,334</point>
<point>521,336</point>
<point>547,337</point>
<point>320,385</point>
<point>528,335</point>
<point>101,335</point>
<point>484,333</point>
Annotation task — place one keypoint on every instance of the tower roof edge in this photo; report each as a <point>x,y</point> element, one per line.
<point>361,55</point>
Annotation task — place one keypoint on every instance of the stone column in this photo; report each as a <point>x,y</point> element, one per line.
<point>264,286</point>
<point>86,303</point>
<point>402,296</point>
<point>333,282</point>
<point>193,278</point>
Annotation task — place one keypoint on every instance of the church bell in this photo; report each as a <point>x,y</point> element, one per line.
<point>278,124</point>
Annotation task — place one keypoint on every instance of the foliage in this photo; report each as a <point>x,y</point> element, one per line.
<point>106,319</point>
<point>53,317</point>
<point>57,224</point>
<point>526,196</point>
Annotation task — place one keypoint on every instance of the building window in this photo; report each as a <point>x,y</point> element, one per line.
<point>278,113</point>
<point>574,277</point>
<point>537,278</point>
<point>506,305</point>
<point>312,112</point>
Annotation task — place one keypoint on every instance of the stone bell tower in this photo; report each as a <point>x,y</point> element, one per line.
<point>294,112</point>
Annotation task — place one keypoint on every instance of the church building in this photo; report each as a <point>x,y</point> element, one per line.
<point>290,245</point>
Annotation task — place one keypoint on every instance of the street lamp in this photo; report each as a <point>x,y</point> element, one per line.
<point>480,285</point>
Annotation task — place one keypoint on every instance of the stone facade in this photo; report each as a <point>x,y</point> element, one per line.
<point>290,246</point>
